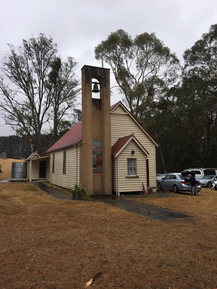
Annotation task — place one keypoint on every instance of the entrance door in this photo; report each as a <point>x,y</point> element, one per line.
<point>42,169</point>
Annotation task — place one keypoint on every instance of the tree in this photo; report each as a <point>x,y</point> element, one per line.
<point>202,56</point>
<point>143,67</point>
<point>199,90</point>
<point>27,96</point>
<point>77,116</point>
<point>196,115</point>
<point>63,87</point>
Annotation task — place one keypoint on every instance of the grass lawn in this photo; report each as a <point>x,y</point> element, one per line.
<point>50,243</point>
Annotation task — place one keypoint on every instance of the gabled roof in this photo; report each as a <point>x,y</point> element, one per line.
<point>133,118</point>
<point>74,135</point>
<point>33,155</point>
<point>70,138</point>
<point>122,142</point>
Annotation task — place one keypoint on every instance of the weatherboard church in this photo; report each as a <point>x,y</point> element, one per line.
<point>108,153</point>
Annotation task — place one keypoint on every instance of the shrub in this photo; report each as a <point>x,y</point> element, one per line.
<point>78,192</point>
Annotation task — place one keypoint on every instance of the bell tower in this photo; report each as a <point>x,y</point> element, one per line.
<point>96,131</point>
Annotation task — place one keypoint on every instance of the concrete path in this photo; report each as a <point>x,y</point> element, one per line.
<point>152,212</point>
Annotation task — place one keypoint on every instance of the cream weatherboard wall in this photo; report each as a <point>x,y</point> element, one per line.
<point>121,181</point>
<point>72,174</point>
<point>122,124</point>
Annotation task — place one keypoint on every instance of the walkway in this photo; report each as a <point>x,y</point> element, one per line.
<point>152,212</point>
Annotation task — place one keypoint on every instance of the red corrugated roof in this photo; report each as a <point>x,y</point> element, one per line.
<point>123,140</point>
<point>35,154</point>
<point>72,137</point>
<point>119,144</point>
<point>114,105</point>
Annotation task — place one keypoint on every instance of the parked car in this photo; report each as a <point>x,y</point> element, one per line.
<point>160,176</point>
<point>214,185</point>
<point>176,182</point>
<point>199,173</point>
<point>208,180</point>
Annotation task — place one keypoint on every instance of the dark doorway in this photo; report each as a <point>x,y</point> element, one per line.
<point>147,172</point>
<point>42,169</point>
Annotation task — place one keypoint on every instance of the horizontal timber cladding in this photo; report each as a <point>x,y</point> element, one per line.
<point>123,125</point>
<point>68,179</point>
<point>131,183</point>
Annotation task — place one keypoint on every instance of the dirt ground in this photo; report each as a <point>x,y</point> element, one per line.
<point>50,243</point>
<point>62,244</point>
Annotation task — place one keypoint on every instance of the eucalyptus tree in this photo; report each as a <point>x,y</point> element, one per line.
<point>143,67</point>
<point>25,87</point>
<point>196,117</point>
<point>63,86</point>
<point>199,93</point>
<point>202,56</point>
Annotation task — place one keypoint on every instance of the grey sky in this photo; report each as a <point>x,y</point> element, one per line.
<point>79,26</point>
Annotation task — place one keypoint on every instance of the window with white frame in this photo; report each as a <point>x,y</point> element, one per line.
<point>131,167</point>
<point>64,162</point>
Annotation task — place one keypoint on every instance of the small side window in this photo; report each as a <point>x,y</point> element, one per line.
<point>64,162</point>
<point>131,167</point>
<point>53,164</point>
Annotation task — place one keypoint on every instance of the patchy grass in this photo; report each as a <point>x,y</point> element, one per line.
<point>50,243</point>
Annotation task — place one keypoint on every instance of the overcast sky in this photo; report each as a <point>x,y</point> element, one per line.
<point>79,26</point>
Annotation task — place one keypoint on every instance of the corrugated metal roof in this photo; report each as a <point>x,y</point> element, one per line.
<point>71,137</point>
<point>35,154</point>
<point>120,143</point>
<point>74,135</point>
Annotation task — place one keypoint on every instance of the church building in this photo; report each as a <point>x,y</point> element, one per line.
<point>108,153</point>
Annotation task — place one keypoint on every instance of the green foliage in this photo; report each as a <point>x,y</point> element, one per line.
<point>143,67</point>
<point>78,192</point>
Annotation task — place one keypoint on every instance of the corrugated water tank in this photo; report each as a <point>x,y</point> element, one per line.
<point>19,170</point>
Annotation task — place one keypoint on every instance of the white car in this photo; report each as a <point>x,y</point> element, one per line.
<point>208,180</point>
<point>214,185</point>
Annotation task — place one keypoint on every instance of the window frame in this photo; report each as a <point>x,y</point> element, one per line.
<point>53,164</point>
<point>64,162</point>
<point>132,167</point>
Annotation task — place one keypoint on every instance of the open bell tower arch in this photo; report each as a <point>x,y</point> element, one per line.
<point>96,132</point>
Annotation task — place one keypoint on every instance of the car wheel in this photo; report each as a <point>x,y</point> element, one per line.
<point>209,185</point>
<point>175,189</point>
<point>159,186</point>
<point>215,188</point>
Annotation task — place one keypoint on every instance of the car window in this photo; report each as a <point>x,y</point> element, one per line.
<point>195,172</point>
<point>209,172</point>
<point>167,177</point>
<point>173,177</point>
<point>208,177</point>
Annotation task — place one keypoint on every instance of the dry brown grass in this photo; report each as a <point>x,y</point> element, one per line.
<point>6,168</point>
<point>50,243</point>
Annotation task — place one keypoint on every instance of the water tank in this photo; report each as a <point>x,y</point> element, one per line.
<point>19,170</point>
